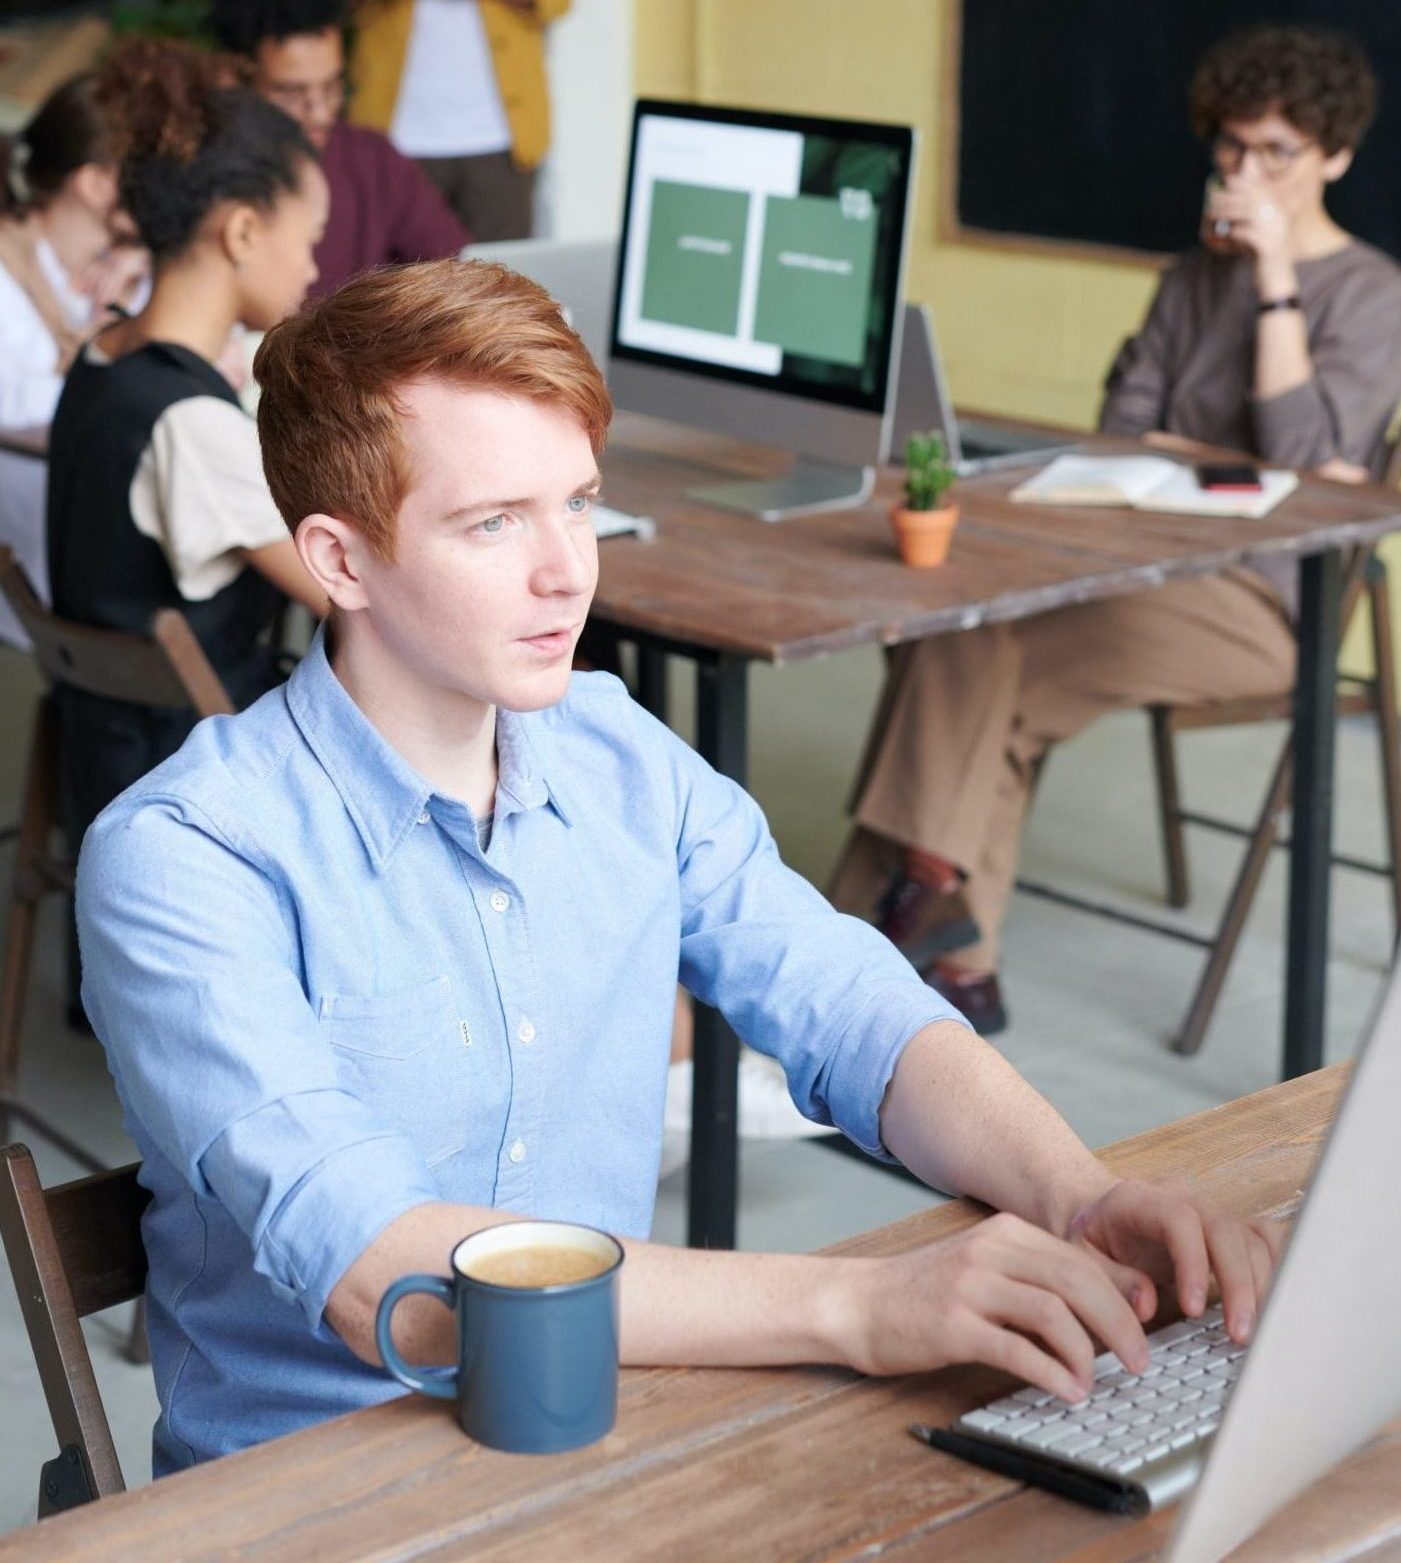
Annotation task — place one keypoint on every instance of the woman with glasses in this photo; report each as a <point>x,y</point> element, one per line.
<point>1279,335</point>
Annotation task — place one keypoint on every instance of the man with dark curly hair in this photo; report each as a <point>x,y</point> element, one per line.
<point>384,208</point>
<point>1279,335</point>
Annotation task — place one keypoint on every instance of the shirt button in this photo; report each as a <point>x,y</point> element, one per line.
<point>525,1031</point>
<point>517,1151</point>
<point>499,900</point>
<point>424,817</point>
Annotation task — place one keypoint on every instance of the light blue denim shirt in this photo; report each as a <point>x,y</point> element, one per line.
<point>323,1003</point>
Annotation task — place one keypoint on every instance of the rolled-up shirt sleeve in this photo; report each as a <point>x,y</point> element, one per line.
<point>190,978</point>
<point>825,994</point>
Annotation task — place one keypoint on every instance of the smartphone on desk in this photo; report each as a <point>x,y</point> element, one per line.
<point>1229,476</point>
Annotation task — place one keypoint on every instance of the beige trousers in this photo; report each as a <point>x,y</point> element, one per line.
<point>965,718</point>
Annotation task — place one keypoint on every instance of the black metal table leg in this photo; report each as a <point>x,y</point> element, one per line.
<point>1315,720</point>
<point>651,679</point>
<point>722,708</point>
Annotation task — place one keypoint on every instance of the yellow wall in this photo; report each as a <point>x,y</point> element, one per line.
<point>1025,334</point>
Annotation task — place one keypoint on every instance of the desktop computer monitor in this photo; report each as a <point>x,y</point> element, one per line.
<point>759,290</point>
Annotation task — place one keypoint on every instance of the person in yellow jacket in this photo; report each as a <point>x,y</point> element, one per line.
<point>460,86</point>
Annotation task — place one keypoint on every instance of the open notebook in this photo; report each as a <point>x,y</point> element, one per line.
<point>1148,483</point>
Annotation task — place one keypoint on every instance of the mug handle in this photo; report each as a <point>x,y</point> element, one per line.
<point>441,1382</point>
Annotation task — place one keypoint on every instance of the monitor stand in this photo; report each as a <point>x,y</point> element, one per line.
<point>811,486</point>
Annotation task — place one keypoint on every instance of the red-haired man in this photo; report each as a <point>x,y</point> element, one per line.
<point>391,956</point>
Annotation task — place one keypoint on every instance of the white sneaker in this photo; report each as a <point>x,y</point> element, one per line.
<point>766,1110</point>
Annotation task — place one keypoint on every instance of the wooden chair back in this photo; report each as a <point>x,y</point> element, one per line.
<point>166,668</point>
<point>74,1250</point>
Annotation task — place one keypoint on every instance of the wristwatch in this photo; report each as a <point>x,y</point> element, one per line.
<point>1267,304</point>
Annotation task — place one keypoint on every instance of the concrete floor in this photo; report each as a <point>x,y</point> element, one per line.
<point>1092,1002</point>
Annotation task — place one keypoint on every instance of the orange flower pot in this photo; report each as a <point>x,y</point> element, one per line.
<point>924,535</point>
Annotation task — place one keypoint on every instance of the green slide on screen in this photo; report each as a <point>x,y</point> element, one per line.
<point>695,254</point>
<point>815,277</point>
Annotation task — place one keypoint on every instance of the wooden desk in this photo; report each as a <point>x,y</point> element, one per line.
<point>725,591</point>
<point>728,1464</point>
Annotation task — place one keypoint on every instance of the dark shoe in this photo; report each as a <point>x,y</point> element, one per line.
<point>923,923</point>
<point>977,996</point>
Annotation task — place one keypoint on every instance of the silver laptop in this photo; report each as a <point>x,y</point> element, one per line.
<point>578,272</point>
<point>1244,1430</point>
<point>923,404</point>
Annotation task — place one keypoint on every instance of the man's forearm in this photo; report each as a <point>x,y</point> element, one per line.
<point>961,1118</point>
<point>680,1306</point>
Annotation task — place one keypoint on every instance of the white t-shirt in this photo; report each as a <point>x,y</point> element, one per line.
<point>200,493</point>
<point>29,375</point>
<point>449,104</point>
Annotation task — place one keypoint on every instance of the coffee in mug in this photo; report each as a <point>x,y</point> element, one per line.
<point>537,1266</point>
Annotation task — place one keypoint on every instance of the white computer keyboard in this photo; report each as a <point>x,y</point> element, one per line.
<point>1137,1443</point>
<point>615,523</point>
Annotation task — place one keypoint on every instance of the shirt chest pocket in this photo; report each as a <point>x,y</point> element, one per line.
<point>404,1055</point>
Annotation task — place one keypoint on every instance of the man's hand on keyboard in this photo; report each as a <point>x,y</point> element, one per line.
<point>1005,1293</point>
<point>1162,1230</point>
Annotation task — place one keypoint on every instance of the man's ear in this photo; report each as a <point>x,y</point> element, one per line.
<point>1336,166</point>
<point>334,553</point>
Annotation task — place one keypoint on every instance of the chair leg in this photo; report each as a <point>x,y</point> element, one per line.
<point>28,886</point>
<point>1170,806</point>
<point>138,1345</point>
<point>1388,731</point>
<point>1257,854</point>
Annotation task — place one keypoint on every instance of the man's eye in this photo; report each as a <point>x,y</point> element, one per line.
<point>579,504</point>
<point>492,525</point>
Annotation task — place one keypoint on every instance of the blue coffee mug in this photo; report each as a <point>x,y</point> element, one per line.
<point>537,1365</point>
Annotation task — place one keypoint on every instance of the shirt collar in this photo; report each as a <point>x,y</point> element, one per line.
<point>381,791</point>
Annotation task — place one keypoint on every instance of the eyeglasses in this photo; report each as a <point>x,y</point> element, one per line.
<point>1276,158</point>
<point>298,98</point>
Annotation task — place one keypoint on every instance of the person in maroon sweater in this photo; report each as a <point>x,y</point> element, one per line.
<point>384,208</point>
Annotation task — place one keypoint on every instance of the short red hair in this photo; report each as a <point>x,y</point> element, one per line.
<point>329,413</point>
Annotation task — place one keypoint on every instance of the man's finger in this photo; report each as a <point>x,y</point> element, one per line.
<point>1228,1247</point>
<point>1071,1273</point>
<point>1034,1311</point>
<point>1181,1233</point>
<point>1024,1359</point>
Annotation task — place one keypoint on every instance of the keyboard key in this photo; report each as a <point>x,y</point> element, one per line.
<point>1182,1439</point>
<point>1175,1332</point>
<point>1009,1405</point>
<point>1048,1437</point>
<point>1017,1427</point>
<point>983,1421</point>
<point>1033,1397</point>
<point>1078,1444</point>
<point>1155,1451</point>
<point>1127,1465</point>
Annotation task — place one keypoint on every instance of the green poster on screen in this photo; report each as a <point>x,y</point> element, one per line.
<point>815,276</point>
<point>695,256</point>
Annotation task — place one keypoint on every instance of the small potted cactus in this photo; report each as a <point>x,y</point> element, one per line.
<point>924,524</point>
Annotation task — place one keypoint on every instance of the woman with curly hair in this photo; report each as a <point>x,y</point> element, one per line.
<point>1279,335</point>
<point>156,491</point>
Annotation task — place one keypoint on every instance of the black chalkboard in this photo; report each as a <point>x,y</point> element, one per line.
<point>1073,117</point>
